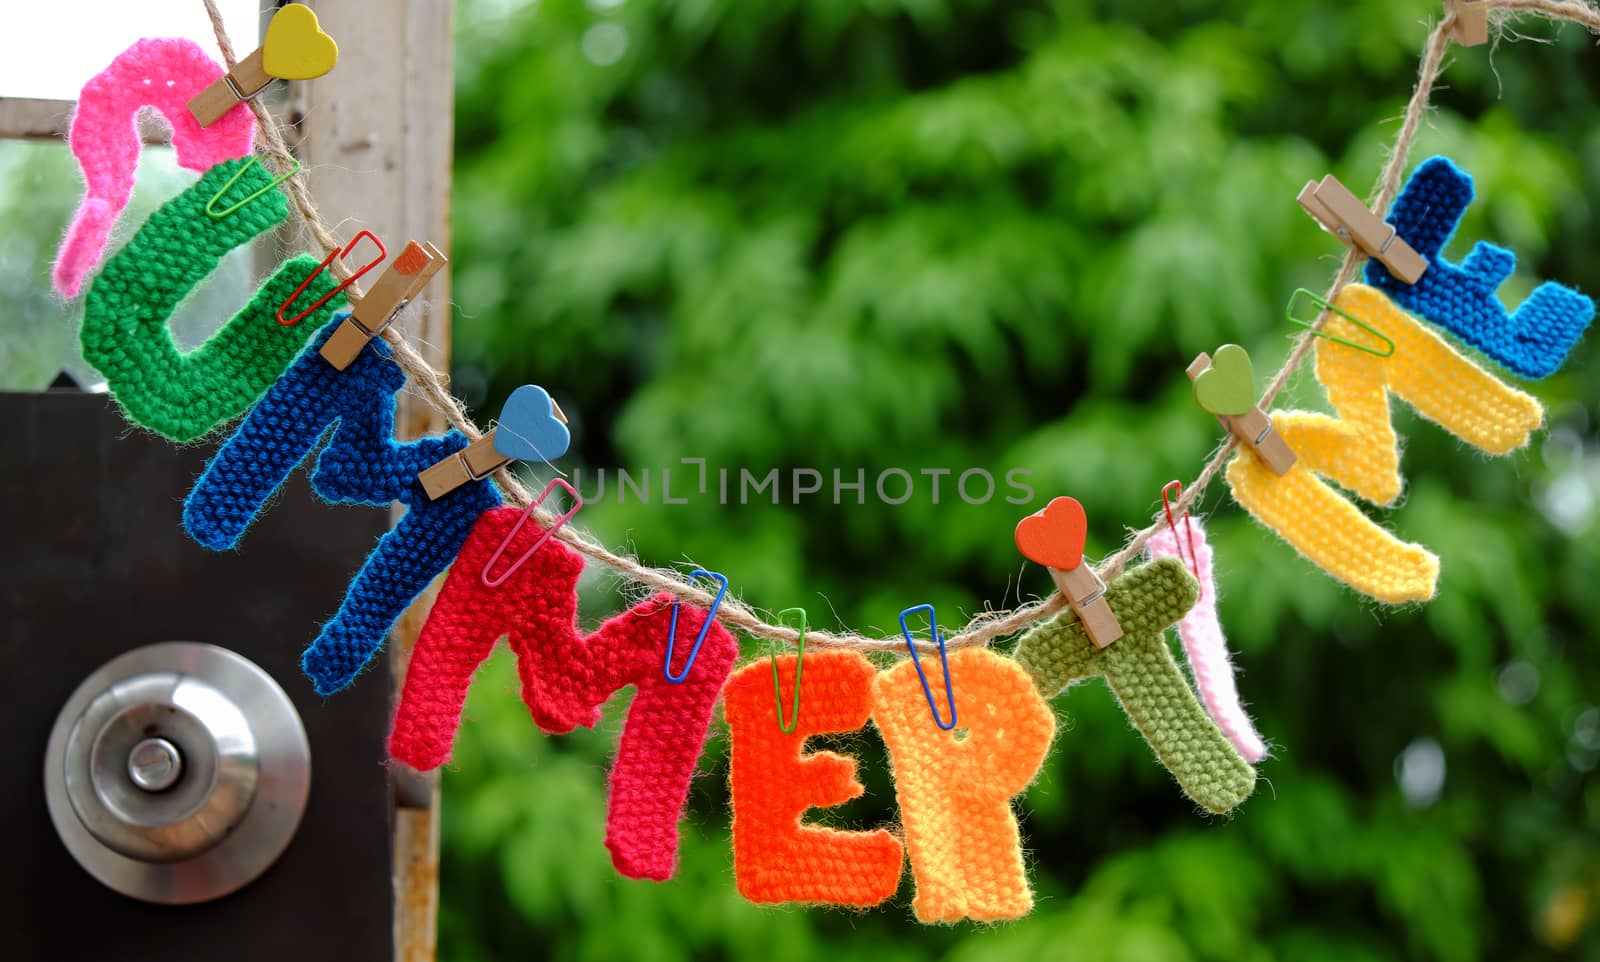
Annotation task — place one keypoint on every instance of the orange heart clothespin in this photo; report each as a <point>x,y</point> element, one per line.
<point>1054,537</point>
<point>295,48</point>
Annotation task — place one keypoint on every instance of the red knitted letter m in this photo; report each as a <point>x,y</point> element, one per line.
<point>566,677</point>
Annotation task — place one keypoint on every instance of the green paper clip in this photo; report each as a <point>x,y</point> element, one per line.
<point>211,205</point>
<point>799,666</point>
<point>1358,322</point>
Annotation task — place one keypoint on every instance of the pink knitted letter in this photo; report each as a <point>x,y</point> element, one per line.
<point>566,677</point>
<point>1205,645</point>
<point>163,74</point>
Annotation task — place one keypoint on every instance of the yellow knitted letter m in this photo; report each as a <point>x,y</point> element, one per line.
<point>1359,450</point>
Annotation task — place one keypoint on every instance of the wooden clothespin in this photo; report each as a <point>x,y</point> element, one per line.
<point>531,427</point>
<point>1472,22</point>
<point>1054,537</point>
<point>405,277</point>
<point>1343,214</point>
<point>295,48</point>
<point>1226,387</point>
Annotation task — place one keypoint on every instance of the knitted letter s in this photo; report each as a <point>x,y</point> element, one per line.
<point>1360,451</point>
<point>776,856</point>
<point>566,677</point>
<point>161,73</point>
<point>361,464</point>
<point>125,334</point>
<point>1533,341</point>
<point>955,792</point>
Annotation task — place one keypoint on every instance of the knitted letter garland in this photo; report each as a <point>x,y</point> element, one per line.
<point>1139,667</point>
<point>105,139</point>
<point>777,857</point>
<point>1535,340</point>
<point>125,335</point>
<point>955,787</point>
<point>1206,646</point>
<point>1359,450</point>
<point>361,464</point>
<point>566,677</point>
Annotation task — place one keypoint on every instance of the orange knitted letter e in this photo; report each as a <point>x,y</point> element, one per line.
<point>955,787</point>
<point>776,857</point>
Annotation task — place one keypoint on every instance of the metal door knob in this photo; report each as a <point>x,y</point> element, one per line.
<point>177,772</point>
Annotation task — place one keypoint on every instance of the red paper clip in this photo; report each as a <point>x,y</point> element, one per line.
<point>577,502</point>
<point>382,253</point>
<point>1194,557</point>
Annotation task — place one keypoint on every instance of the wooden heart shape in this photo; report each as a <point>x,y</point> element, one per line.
<point>1054,537</point>
<point>296,48</point>
<point>1228,386</point>
<point>528,429</point>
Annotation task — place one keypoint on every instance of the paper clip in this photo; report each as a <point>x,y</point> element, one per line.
<point>211,205</point>
<point>1358,322</point>
<point>672,633</point>
<point>577,502</point>
<point>326,261</point>
<point>799,666</point>
<point>1166,505</point>
<point>944,659</point>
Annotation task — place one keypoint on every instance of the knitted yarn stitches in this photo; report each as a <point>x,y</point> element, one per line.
<point>361,464</point>
<point>566,677</point>
<point>163,74</point>
<point>1535,340</point>
<point>1360,451</point>
<point>955,787</point>
<point>125,334</point>
<point>776,856</point>
<point>1139,667</point>
<point>1206,646</point>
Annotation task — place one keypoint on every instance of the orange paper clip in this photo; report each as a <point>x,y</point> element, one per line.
<point>326,261</point>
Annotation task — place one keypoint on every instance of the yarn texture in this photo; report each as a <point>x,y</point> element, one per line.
<point>1205,645</point>
<point>125,333</point>
<point>566,677</point>
<point>362,464</point>
<point>1533,341</point>
<point>1139,667</point>
<point>1359,448</point>
<point>162,74</point>
<point>776,856</point>
<point>955,792</point>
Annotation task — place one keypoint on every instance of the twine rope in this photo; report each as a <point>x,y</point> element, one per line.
<point>987,626</point>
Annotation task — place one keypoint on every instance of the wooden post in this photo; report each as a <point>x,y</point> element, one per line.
<point>375,139</point>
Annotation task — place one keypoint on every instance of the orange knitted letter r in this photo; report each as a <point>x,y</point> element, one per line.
<point>955,787</point>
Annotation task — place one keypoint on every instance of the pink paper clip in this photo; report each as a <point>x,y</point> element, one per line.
<point>577,502</point>
<point>1194,558</point>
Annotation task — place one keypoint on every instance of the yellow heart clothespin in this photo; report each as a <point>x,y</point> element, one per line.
<point>296,48</point>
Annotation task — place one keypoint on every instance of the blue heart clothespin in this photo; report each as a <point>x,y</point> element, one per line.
<point>529,428</point>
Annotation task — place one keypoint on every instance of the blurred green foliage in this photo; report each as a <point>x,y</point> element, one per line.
<point>967,233</point>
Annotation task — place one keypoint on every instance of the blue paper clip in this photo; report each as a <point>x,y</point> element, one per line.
<point>672,633</point>
<point>944,659</point>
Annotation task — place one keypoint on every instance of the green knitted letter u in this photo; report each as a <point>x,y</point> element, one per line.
<point>125,334</point>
